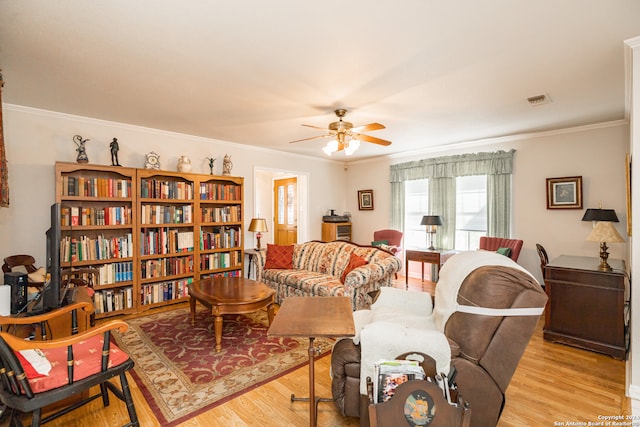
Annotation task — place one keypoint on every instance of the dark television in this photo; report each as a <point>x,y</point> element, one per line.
<point>51,292</point>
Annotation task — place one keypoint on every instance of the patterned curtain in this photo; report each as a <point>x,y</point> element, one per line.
<point>441,172</point>
<point>4,166</point>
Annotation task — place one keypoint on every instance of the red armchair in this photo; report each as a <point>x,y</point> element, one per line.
<point>393,237</point>
<point>493,243</point>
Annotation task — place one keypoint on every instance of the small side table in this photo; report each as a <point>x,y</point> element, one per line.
<point>437,257</point>
<point>250,254</point>
<point>312,317</point>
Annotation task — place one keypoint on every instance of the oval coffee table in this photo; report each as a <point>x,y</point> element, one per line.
<point>229,295</point>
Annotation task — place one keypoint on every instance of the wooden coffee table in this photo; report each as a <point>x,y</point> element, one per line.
<point>229,295</point>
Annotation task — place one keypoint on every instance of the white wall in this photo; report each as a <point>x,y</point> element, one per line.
<point>597,153</point>
<point>36,139</point>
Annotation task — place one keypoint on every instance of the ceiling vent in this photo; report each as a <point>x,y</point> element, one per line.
<point>538,100</point>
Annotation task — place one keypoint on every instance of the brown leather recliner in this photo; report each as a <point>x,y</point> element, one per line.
<point>485,349</point>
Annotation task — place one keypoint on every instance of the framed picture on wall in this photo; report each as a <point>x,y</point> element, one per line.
<point>564,193</point>
<point>365,200</point>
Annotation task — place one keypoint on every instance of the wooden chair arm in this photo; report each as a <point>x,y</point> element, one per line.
<point>18,344</point>
<point>44,317</point>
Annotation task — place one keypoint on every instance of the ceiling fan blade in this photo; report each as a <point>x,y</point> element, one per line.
<point>315,127</point>
<point>310,138</point>
<point>368,128</point>
<point>373,139</point>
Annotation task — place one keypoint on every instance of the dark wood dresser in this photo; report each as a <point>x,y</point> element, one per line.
<point>586,306</point>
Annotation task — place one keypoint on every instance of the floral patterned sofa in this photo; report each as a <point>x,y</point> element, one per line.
<point>336,268</point>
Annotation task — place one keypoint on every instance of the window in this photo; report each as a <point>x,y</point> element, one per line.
<point>416,197</point>
<point>471,211</point>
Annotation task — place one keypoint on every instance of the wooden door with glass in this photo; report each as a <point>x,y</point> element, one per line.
<point>286,211</point>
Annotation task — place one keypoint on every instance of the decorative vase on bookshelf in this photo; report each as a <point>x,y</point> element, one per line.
<point>184,164</point>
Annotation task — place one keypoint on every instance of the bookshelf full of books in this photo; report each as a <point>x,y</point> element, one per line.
<point>220,238</point>
<point>148,233</point>
<point>166,236</point>
<point>97,212</point>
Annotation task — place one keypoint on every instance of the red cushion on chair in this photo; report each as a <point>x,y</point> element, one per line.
<point>279,257</point>
<point>355,261</point>
<point>87,361</point>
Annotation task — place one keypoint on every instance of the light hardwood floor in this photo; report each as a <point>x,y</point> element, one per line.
<point>553,383</point>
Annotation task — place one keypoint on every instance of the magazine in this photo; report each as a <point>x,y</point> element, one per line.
<point>390,374</point>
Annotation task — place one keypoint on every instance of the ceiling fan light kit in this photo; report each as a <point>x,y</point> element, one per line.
<point>346,137</point>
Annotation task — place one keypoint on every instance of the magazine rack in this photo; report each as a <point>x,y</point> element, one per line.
<point>418,403</point>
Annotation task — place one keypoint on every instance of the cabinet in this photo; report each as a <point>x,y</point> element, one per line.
<point>98,216</point>
<point>586,306</point>
<point>153,232</point>
<point>336,231</point>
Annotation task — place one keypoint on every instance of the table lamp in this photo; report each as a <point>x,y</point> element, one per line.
<point>604,232</point>
<point>258,225</point>
<point>431,221</point>
<point>600,215</point>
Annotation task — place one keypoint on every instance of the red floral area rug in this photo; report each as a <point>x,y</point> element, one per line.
<point>181,375</point>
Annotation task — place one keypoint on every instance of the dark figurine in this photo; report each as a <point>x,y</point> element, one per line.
<point>211,162</point>
<point>82,151</point>
<point>114,152</point>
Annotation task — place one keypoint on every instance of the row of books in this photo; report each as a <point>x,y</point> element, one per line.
<point>165,241</point>
<point>165,291</point>
<point>113,300</point>
<point>162,267</point>
<point>78,215</point>
<point>85,248</point>
<point>115,272</point>
<point>220,260</point>
<point>161,189</point>
<point>234,273</point>
<point>224,237</point>
<point>219,191</point>
<point>95,187</point>
<point>157,214</point>
<point>222,214</point>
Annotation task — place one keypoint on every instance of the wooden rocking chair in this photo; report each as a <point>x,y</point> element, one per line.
<point>36,373</point>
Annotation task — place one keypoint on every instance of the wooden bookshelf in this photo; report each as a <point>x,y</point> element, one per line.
<point>220,226</point>
<point>98,211</point>
<point>175,228</point>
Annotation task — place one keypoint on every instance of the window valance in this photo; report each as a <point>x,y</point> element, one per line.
<point>497,163</point>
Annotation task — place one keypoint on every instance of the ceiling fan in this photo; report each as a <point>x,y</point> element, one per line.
<point>346,137</point>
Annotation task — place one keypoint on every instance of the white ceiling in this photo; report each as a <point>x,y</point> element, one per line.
<point>252,71</point>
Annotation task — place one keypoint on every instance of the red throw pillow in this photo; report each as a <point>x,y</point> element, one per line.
<point>355,261</point>
<point>279,257</point>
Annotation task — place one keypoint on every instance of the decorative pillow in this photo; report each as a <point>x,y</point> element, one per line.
<point>379,242</point>
<point>392,249</point>
<point>34,363</point>
<point>355,261</point>
<point>504,251</point>
<point>279,257</point>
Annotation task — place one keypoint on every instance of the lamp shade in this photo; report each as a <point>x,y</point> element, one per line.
<point>605,231</point>
<point>600,215</point>
<point>258,225</point>
<point>431,220</point>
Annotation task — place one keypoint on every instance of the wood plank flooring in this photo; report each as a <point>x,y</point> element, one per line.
<point>553,383</point>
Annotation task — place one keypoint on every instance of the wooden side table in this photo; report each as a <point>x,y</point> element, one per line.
<point>312,317</point>
<point>436,257</point>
